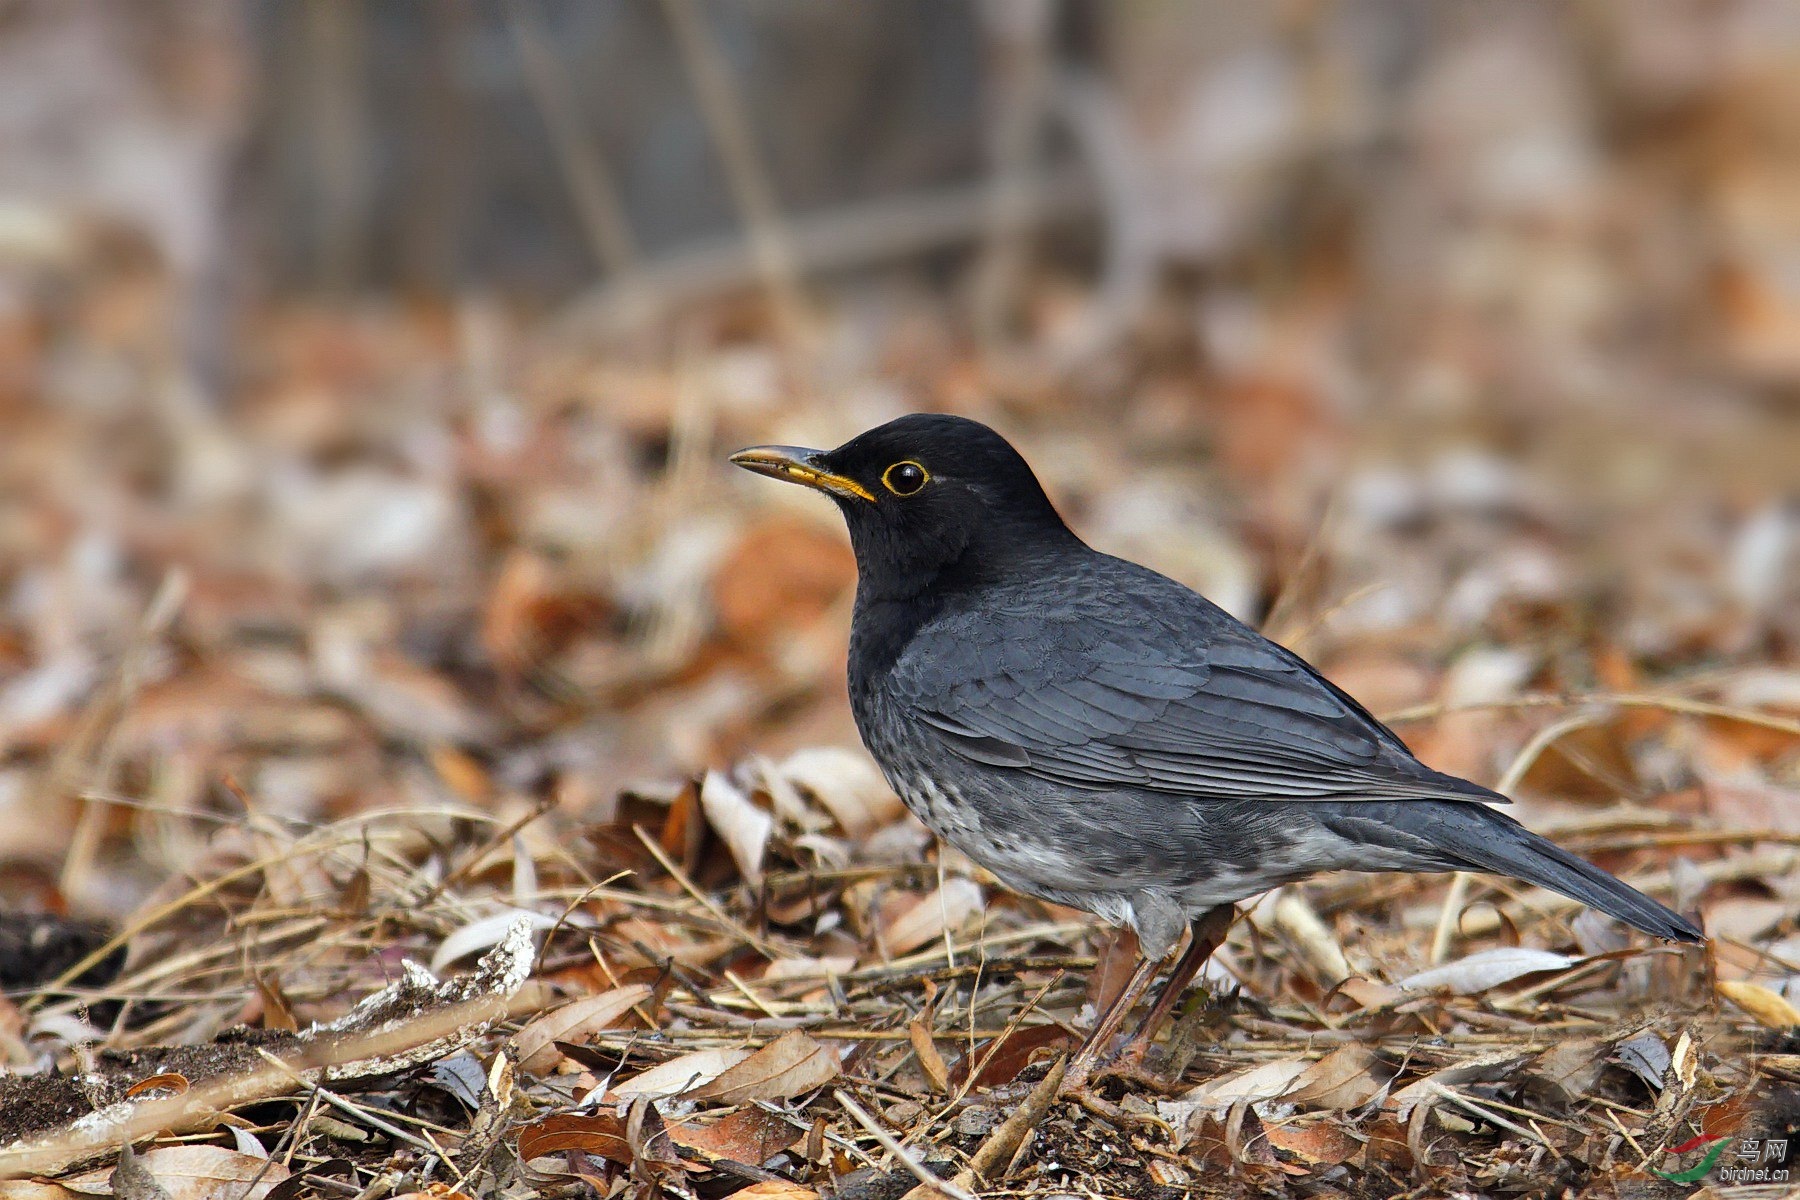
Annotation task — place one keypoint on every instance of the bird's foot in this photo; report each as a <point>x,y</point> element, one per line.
<point>1076,1078</point>
<point>1140,1077</point>
<point>1089,1098</point>
<point>1084,1074</point>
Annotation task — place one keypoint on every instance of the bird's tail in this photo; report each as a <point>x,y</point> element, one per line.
<point>1492,841</point>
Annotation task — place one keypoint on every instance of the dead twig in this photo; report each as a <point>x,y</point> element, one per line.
<point>891,1144</point>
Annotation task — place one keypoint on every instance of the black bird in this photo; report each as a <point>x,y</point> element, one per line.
<point>1099,735</point>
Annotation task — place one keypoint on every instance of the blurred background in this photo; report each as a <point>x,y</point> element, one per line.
<point>367,369</point>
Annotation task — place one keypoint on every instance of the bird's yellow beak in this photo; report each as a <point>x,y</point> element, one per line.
<point>799,465</point>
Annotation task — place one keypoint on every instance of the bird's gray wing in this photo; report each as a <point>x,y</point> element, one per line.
<point>1181,699</point>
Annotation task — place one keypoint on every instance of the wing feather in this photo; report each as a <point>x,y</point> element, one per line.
<point>1187,701</point>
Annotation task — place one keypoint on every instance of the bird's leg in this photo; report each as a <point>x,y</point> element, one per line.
<point>1081,1067</point>
<point>1204,936</point>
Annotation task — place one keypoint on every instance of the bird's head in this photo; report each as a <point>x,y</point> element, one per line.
<point>923,495</point>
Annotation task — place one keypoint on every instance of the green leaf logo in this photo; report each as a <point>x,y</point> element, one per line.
<point>1694,1174</point>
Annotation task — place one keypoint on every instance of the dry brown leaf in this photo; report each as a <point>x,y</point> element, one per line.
<point>930,1061</point>
<point>807,968</point>
<point>196,1172</point>
<point>780,576</point>
<point>774,1189</point>
<point>1367,993</point>
<point>1117,959</point>
<point>999,1066</point>
<point>1345,1078</point>
<point>462,774</point>
<point>535,1042</point>
<point>1574,1065</point>
<point>1316,1143</point>
<point>1318,950</point>
<point>1770,1008</point>
<point>789,1066</point>
<point>750,1135</point>
<point>1485,1068</point>
<point>601,1134</point>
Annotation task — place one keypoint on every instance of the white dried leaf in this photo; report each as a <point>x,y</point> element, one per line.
<point>1646,1057</point>
<point>1487,969</point>
<point>247,1142</point>
<point>1252,1085</point>
<point>743,827</point>
<point>1485,1068</point>
<point>682,1074</point>
<point>483,932</point>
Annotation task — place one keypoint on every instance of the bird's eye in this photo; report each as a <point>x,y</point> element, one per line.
<point>904,478</point>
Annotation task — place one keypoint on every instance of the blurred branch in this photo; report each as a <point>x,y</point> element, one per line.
<point>1104,138</point>
<point>591,186</point>
<point>1020,37</point>
<point>337,105</point>
<point>89,752</point>
<point>855,236</point>
<point>724,110</point>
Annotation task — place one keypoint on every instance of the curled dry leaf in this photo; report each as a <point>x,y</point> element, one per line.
<point>1769,1007</point>
<point>846,785</point>
<point>484,932</point>
<point>740,824</point>
<point>1646,1057</point>
<point>1487,969</point>
<point>172,1082</point>
<point>1367,993</point>
<point>535,1043</point>
<point>789,1066</point>
<point>247,1142</point>
<point>930,1061</point>
<point>195,1172</point>
<point>682,1074</point>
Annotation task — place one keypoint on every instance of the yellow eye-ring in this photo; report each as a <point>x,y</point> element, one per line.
<point>905,478</point>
